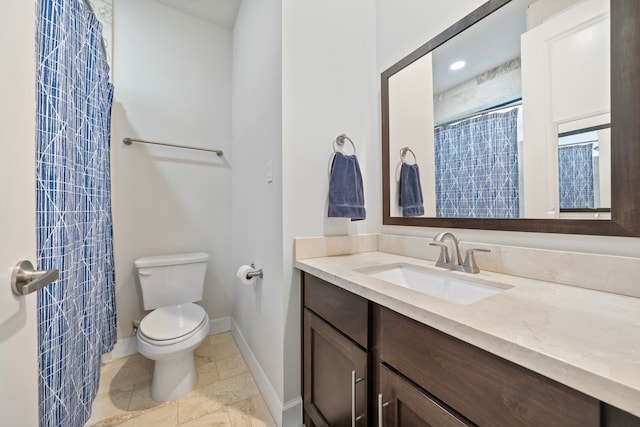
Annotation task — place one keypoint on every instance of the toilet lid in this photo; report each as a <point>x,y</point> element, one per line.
<point>166,323</point>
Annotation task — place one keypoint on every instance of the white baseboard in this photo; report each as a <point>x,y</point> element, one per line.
<point>218,326</point>
<point>124,347</point>
<point>292,413</point>
<point>127,346</point>
<point>285,415</point>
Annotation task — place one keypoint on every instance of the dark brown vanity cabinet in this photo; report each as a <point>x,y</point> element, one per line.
<point>402,404</point>
<point>335,356</point>
<point>485,389</point>
<point>409,374</point>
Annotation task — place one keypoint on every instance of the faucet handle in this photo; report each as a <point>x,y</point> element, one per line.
<point>444,253</point>
<point>470,265</point>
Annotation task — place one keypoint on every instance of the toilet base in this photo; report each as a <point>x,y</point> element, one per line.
<point>174,377</point>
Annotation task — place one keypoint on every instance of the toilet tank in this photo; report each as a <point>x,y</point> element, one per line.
<point>171,279</point>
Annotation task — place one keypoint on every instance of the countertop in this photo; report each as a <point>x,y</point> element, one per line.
<point>586,339</point>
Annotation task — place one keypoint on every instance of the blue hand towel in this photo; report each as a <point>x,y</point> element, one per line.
<point>346,195</point>
<point>411,191</point>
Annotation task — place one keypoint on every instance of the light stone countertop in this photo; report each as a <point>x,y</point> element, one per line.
<point>586,339</point>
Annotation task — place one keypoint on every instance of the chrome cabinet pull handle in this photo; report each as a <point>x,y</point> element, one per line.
<point>25,280</point>
<point>354,381</point>
<point>381,407</point>
<point>380,422</point>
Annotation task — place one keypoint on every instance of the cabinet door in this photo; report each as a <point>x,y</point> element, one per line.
<point>332,396</point>
<point>401,404</point>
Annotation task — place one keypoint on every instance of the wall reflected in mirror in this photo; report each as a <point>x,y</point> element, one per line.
<point>486,114</point>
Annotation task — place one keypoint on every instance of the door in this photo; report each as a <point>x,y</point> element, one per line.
<point>18,331</point>
<point>335,371</point>
<point>401,404</point>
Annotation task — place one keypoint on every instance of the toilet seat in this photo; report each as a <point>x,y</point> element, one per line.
<point>169,325</point>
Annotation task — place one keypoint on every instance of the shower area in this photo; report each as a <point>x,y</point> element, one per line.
<point>76,313</point>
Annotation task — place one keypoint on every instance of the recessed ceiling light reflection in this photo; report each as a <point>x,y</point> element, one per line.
<point>457,65</point>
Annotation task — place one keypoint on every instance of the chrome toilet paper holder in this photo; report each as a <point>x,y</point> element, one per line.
<point>254,273</point>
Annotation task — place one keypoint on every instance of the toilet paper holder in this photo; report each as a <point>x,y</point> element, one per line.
<point>254,273</point>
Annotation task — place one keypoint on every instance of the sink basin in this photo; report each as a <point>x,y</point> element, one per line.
<point>440,285</point>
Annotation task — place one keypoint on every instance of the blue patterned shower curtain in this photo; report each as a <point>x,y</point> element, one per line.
<point>76,314</point>
<point>575,176</point>
<point>477,167</point>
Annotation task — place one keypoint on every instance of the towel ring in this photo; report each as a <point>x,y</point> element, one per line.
<point>339,141</point>
<point>403,154</point>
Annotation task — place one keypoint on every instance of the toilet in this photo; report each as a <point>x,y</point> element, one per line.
<point>170,333</point>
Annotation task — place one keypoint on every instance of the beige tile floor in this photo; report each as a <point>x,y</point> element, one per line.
<point>225,395</point>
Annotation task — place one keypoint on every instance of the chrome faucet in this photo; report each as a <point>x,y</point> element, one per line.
<point>455,261</point>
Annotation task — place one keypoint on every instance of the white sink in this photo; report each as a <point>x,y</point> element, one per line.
<point>440,285</point>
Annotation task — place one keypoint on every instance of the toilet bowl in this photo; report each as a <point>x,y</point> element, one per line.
<point>176,326</point>
<point>169,336</point>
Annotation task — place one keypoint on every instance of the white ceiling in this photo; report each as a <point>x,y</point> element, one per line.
<point>218,12</point>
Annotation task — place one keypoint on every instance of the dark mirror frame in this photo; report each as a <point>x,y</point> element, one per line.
<point>625,131</point>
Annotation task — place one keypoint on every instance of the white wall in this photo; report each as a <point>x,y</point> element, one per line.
<point>256,204</point>
<point>330,87</point>
<point>304,72</point>
<point>411,112</point>
<point>172,76</point>
<point>400,31</point>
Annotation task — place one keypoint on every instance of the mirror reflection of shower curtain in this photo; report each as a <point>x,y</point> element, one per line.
<point>575,176</point>
<point>477,167</point>
<point>76,314</point>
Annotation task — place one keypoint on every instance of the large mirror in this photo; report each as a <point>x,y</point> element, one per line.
<point>521,116</point>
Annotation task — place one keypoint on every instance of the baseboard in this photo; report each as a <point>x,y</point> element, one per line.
<point>218,326</point>
<point>127,346</point>
<point>284,415</point>
<point>124,347</point>
<point>292,413</point>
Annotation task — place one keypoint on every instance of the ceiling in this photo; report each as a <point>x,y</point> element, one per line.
<point>219,12</point>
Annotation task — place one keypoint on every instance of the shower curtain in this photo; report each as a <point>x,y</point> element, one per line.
<point>477,167</point>
<point>76,314</point>
<point>575,176</point>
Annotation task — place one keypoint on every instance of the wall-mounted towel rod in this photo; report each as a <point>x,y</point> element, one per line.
<point>128,141</point>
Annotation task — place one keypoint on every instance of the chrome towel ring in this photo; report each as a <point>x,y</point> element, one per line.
<point>403,155</point>
<point>339,142</point>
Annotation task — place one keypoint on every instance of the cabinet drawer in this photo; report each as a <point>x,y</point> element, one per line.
<point>346,311</point>
<point>484,388</point>
<point>405,405</point>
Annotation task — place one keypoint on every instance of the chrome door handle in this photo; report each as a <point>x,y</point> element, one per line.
<point>25,280</point>
<point>354,381</point>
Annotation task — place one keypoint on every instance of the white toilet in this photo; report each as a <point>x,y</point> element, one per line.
<point>171,332</point>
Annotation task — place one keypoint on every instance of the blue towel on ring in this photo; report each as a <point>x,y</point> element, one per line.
<point>411,191</point>
<point>346,195</point>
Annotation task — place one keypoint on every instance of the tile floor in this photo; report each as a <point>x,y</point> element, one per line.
<point>225,395</point>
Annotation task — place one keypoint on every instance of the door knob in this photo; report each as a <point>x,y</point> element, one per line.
<point>25,280</point>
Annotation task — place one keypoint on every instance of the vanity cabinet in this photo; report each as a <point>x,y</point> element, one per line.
<point>485,389</point>
<point>401,404</point>
<point>335,356</point>
<point>366,361</point>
